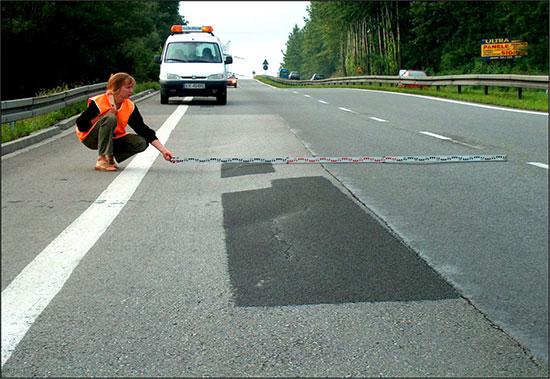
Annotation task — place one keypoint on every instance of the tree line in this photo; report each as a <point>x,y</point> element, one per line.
<point>344,38</point>
<point>48,44</point>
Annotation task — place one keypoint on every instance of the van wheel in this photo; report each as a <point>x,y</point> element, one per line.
<point>222,99</point>
<point>163,99</point>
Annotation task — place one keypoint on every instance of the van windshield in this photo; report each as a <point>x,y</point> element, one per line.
<point>205,52</point>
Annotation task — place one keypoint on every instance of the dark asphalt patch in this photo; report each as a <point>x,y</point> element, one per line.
<point>240,169</point>
<point>303,241</point>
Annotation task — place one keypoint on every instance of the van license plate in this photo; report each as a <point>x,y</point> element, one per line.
<point>194,85</point>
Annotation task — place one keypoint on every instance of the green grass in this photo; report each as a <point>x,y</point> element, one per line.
<point>25,127</point>
<point>532,99</point>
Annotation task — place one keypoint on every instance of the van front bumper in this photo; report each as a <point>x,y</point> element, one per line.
<point>171,88</point>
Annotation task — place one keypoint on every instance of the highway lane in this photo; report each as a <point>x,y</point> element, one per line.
<point>484,227</point>
<point>175,286</point>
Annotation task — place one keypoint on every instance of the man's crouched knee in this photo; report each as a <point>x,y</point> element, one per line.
<point>108,120</point>
<point>141,144</point>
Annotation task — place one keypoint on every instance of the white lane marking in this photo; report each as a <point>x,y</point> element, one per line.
<point>296,92</point>
<point>436,136</point>
<point>307,96</point>
<point>322,101</point>
<point>36,285</point>
<point>455,102</point>
<point>378,119</point>
<point>451,140</point>
<point>538,164</point>
<point>269,85</point>
<point>346,110</point>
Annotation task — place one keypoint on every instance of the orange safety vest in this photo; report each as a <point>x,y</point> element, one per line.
<point>122,115</point>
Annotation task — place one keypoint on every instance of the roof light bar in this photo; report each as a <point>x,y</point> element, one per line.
<point>191,29</point>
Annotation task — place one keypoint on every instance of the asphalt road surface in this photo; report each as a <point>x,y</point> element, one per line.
<point>232,269</point>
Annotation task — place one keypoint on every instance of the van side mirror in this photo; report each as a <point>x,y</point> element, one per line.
<point>228,59</point>
<point>157,59</point>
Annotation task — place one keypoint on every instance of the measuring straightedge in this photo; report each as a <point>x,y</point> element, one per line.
<point>364,159</point>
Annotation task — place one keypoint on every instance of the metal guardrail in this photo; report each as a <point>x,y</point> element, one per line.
<point>513,81</point>
<point>41,135</point>
<point>20,109</point>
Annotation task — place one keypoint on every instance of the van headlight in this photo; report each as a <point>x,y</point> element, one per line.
<point>216,77</point>
<point>172,77</point>
<point>169,77</point>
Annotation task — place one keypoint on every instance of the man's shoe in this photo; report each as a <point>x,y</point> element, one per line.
<point>112,161</point>
<point>105,166</point>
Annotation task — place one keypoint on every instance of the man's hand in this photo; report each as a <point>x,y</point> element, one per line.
<point>167,154</point>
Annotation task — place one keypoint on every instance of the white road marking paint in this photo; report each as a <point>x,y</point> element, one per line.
<point>378,119</point>
<point>454,101</point>
<point>296,92</point>
<point>538,164</point>
<point>36,285</point>
<point>307,96</point>
<point>451,140</point>
<point>269,85</point>
<point>322,101</point>
<point>436,136</point>
<point>346,110</point>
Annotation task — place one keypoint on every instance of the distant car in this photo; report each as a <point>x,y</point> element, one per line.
<point>412,74</point>
<point>294,75</point>
<point>317,77</point>
<point>232,80</point>
<point>283,73</point>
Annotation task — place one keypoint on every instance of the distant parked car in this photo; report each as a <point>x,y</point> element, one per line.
<point>283,73</point>
<point>412,74</point>
<point>294,75</point>
<point>317,77</point>
<point>231,79</point>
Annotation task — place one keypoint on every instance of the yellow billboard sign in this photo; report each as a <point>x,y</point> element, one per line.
<point>502,48</point>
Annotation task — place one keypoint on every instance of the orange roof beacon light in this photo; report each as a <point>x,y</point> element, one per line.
<point>190,29</point>
<point>176,28</point>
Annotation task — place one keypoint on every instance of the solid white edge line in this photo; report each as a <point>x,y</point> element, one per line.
<point>538,164</point>
<point>436,136</point>
<point>24,299</point>
<point>440,99</point>
<point>454,101</point>
<point>269,85</point>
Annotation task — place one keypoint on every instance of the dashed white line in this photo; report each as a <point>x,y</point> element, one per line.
<point>24,299</point>
<point>378,119</point>
<point>436,136</point>
<point>307,96</point>
<point>346,110</point>
<point>538,164</point>
<point>322,101</point>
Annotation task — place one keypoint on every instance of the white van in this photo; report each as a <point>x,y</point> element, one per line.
<point>193,64</point>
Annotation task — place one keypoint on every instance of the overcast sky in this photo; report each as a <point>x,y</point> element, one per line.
<point>255,30</point>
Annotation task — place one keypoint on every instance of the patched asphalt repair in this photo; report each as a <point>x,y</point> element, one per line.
<point>302,241</point>
<point>239,169</point>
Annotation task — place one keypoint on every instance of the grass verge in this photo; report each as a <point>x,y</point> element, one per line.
<point>25,127</point>
<point>532,99</point>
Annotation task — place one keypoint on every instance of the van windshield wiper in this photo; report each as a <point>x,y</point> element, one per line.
<point>176,60</point>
